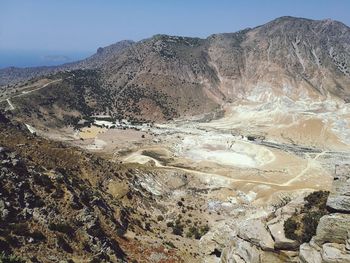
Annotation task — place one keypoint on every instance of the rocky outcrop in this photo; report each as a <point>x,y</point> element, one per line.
<point>276,224</point>
<point>256,238</point>
<point>281,241</point>
<point>254,231</point>
<point>333,228</point>
<point>334,253</point>
<point>32,212</point>
<point>309,253</point>
<point>262,239</point>
<point>339,199</point>
<point>240,251</point>
<point>331,242</point>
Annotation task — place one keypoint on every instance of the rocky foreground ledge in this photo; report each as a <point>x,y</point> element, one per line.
<point>264,239</point>
<point>332,240</point>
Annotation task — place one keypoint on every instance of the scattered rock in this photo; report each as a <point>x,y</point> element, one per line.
<point>339,199</point>
<point>256,233</point>
<point>309,254</point>
<point>281,242</point>
<point>333,228</point>
<point>334,253</point>
<point>240,251</point>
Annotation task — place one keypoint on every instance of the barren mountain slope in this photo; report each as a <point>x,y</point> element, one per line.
<point>60,203</point>
<point>202,141</point>
<point>13,75</point>
<point>291,57</point>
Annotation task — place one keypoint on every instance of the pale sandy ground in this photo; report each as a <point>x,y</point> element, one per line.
<point>230,178</point>
<point>219,153</point>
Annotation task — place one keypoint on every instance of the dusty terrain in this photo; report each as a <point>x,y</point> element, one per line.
<point>202,141</point>
<point>224,171</point>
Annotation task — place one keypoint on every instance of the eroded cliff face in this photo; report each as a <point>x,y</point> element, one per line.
<point>288,56</point>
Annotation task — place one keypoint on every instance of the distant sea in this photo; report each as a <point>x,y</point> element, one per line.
<point>11,58</point>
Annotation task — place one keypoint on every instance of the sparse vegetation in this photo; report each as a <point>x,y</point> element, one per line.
<point>197,232</point>
<point>62,227</point>
<point>10,258</point>
<point>302,226</point>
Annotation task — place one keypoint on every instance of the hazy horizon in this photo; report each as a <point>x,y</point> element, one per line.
<point>38,33</point>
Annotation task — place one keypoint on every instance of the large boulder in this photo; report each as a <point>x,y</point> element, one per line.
<point>333,228</point>
<point>281,241</point>
<point>335,253</point>
<point>240,251</point>
<point>216,238</point>
<point>339,199</point>
<point>276,225</point>
<point>255,232</point>
<point>309,254</point>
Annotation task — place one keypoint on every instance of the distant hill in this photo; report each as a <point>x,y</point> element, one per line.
<point>169,76</point>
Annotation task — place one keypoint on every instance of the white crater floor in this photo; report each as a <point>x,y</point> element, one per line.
<point>224,150</point>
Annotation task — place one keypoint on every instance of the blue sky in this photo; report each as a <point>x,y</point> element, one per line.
<point>85,25</point>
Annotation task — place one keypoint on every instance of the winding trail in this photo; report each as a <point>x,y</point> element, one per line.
<point>44,86</point>
<point>304,170</point>
<point>25,92</point>
<point>139,158</point>
<point>10,104</point>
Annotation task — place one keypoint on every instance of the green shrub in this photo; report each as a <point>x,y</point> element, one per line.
<point>43,180</point>
<point>62,227</point>
<point>63,244</point>
<point>178,229</point>
<point>316,199</point>
<point>290,228</point>
<point>204,229</point>
<point>10,258</point>
<point>302,225</point>
<point>170,244</point>
<point>37,235</point>
<point>196,232</point>
<point>20,229</point>
<point>310,221</point>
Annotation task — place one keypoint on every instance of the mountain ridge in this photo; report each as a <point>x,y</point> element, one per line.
<point>180,149</point>
<point>165,77</point>
<point>126,42</point>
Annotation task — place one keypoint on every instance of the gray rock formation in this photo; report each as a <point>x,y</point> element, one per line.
<point>276,225</point>
<point>309,254</point>
<point>334,253</point>
<point>240,251</point>
<point>281,242</point>
<point>256,233</point>
<point>333,228</point>
<point>339,199</point>
<point>331,242</point>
